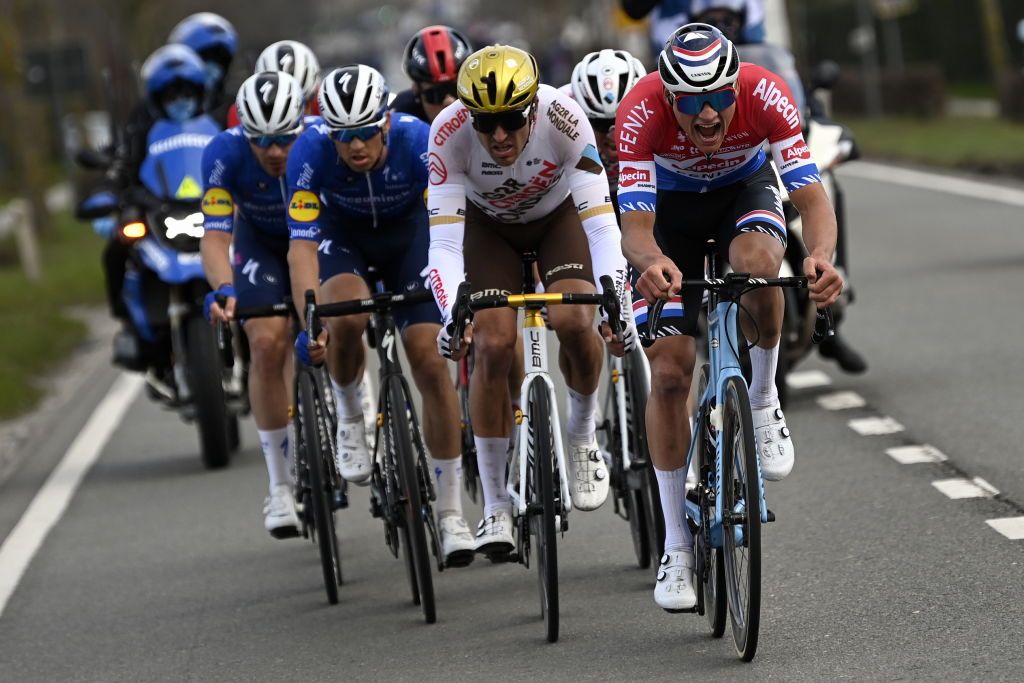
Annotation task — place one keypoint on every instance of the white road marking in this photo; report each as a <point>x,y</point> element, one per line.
<point>807,379</point>
<point>965,488</point>
<point>935,182</point>
<point>1011,527</point>
<point>52,499</point>
<point>875,426</point>
<point>841,400</point>
<point>911,455</point>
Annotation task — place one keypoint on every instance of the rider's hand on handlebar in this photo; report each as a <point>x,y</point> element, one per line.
<point>619,347</point>
<point>444,342</point>
<point>214,311</point>
<point>311,353</point>
<point>824,283</point>
<point>661,280</point>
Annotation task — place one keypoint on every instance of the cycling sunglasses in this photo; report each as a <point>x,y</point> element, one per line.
<point>436,94</point>
<point>268,141</point>
<point>365,133</point>
<point>508,120</point>
<point>691,105</point>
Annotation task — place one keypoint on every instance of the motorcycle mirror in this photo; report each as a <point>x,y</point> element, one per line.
<point>825,75</point>
<point>96,206</point>
<point>92,160</point>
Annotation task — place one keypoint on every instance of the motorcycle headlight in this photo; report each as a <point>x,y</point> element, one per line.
<point>191,226</point>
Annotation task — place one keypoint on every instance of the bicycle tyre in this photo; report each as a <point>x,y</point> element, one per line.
<point>633,499</point>
<point>323,512</point>
<point>412,507</point>
<point>742,541</point>
<point>638,390</point>
<point>470,469</point>
<point>543,510</point>
<point>713,584</point>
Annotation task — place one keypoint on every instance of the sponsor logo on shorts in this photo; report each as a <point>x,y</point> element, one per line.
<point>217,202</point>
<point>304,207</point>
<point>631,176</point>
<point>564,266</point>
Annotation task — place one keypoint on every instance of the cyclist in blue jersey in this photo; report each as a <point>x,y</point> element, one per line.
<point>356,187</point>
<point>244,202</point>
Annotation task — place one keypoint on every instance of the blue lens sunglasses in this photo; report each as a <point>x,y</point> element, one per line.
<point>691,105</point>
<point>365,133</point>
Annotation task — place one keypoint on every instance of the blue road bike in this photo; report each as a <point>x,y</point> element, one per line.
<point>727,506</point>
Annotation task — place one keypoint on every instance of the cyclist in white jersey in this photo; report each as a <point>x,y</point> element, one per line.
<point>517,150</point>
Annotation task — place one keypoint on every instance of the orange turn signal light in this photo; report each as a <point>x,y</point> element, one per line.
<point>134,230</point>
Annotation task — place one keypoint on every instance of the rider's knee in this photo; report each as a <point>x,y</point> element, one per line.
<point>267,350</point>
<point>671,380</point>
<point>760,260</point>
<point>346,330</point>
<point>493,348</point>
<point>573,324</point>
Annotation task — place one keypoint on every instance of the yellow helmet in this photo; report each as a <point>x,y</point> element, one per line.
<point>498,78</point>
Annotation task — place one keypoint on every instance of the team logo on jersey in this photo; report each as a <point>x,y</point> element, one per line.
<point>797,151</point>
<point>304,207</point>
<point>217,202</point>
<point>438,171</point>
<point>631,176</point>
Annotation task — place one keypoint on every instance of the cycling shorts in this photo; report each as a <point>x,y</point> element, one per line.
<point>687,220</point>
<point>493,250</point>
<point>396,249</point>
<point>260,266</point>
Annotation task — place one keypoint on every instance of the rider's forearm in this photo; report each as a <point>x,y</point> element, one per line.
<point>305,271</point>
<point>819,220</point>
<point>638,243</point>
<point>214,248</point>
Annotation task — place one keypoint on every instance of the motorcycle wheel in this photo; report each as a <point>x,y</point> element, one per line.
<point>205,370</point>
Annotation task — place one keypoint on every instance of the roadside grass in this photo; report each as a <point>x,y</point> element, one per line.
<point>974,144</point>
<point>37,332</point>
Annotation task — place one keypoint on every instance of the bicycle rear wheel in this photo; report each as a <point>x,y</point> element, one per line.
<point>742,509</point>
<point>710,559</point>
<point>542,504</point>
<point>637,391</point>
<point>470,471</point>
<point>415,536</point>
<point>313,433</point>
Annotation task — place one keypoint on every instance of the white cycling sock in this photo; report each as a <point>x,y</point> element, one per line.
<point>274,443</point>
<point>448,478</point>
<point>491,458</point>
<point>347,396</point>
<point>672,489</point>
<point>763,392</point>
<point>580,424</point>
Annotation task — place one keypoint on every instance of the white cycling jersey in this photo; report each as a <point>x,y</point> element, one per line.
<point>560,158</point>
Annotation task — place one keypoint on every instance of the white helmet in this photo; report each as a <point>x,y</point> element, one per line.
<point>698,58</point>
<point>293,58</point>
<point>270,103</point>
<point>602,79</point>
<point>353,96</point>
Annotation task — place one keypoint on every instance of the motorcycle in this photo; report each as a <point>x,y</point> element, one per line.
<point>164,286</point>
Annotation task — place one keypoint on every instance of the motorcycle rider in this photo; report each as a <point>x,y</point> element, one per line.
<point>730,17</point>
<point>243,207</point>
<point>215,40</point>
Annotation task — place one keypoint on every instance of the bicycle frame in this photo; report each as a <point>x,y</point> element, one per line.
<point>535,360</point>
<point>617,366</point>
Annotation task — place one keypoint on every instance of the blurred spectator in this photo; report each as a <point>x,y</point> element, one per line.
<point>668,15</point>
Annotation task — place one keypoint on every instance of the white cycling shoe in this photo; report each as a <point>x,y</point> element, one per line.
<point>674,590</point>
<point>773,441</point>
<point>588,475</point>
<point>457,544</point>
<point>352,455</point>
<point>494,535</point>
<point>280,517</point>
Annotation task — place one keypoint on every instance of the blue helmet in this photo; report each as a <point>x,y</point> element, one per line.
<point>171,64</point>
<point>206,32</point>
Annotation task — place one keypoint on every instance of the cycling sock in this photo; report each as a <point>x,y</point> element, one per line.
<point>274,443</point>
<point>491,458</point>
<point>672,488</point>
<point>448,478</point>
<point>580,424</point>
<point>347,396</point>
<point>763,393</point>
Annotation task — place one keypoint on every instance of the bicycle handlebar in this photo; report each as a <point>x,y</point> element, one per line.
<point>378,302</point>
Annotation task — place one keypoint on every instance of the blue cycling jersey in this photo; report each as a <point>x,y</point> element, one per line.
<point>233,179</point>
<point>316,174</point>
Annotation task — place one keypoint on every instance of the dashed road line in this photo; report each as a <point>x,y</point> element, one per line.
<point>912,455</point>
<point>842,400</point>
<point>875,426</point>
<point>807,379</point>
<point>959,488</point>
<point>1011,527</point>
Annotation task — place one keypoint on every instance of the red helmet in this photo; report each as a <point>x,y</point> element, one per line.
<point>435,54</point>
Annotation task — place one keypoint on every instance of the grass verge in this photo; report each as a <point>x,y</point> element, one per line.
<point>971,144</point>
<point>38,334</point>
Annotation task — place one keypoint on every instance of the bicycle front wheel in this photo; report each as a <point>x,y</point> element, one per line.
<point>741,505</point>
<point>313,434</point>
<point>418,557</point>
<point>648,496</point>
<point>711,561</point>
<point>543,506</point>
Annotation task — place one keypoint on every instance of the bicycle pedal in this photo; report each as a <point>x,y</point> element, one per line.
<point>771,516</point>
<point>340,500</point>
<point>502,558</point>
<point>690,610</point>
